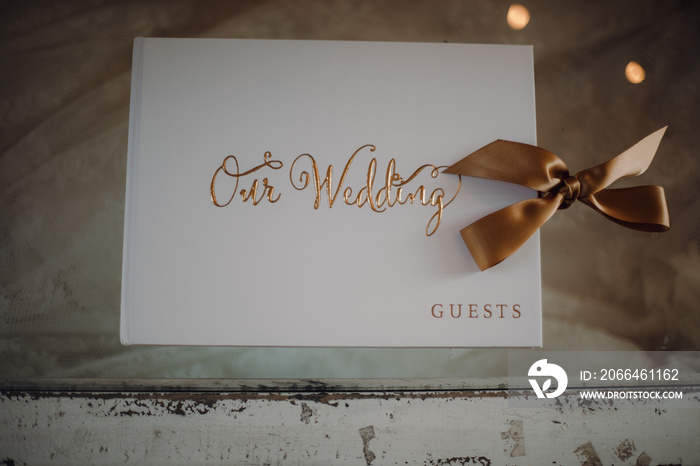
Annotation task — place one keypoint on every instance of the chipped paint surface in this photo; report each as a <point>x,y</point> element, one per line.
<point>467,427</point>
<point>367,434</point>
<point>587,455</point>
<point>625,450</point>
<point>306,413</point>
<point>516,438</point>
<point>643,460</point>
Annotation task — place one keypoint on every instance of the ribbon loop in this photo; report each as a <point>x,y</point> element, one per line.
<point>496,236</point>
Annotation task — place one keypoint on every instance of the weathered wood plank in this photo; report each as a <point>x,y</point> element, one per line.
<point>350,427</point>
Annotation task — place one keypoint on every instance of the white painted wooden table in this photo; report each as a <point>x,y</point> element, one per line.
<point>378,422</point>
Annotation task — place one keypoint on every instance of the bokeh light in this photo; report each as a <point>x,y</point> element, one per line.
<point>634,72</point>
<point>517,17</point>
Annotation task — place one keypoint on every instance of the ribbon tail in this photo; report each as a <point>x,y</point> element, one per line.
<point>632,162</point>
<point>493,238</point>
<point>639,208</point>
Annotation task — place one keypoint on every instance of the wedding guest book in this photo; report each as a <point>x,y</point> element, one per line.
<point>292,193</point>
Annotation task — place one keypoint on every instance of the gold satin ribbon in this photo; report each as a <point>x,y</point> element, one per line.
<point>495,237</point>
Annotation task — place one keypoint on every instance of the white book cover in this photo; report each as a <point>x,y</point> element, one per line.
<point>290,193</point>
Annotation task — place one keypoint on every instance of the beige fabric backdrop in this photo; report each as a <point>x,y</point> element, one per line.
<point>64,107</point>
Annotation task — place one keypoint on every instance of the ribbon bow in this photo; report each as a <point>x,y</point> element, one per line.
<point>498,235</point>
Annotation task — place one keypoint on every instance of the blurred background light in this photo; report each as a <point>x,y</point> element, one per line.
<point>517,17</point>
<point>634,72</point>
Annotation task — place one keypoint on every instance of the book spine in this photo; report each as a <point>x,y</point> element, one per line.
<point>130,195</point>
